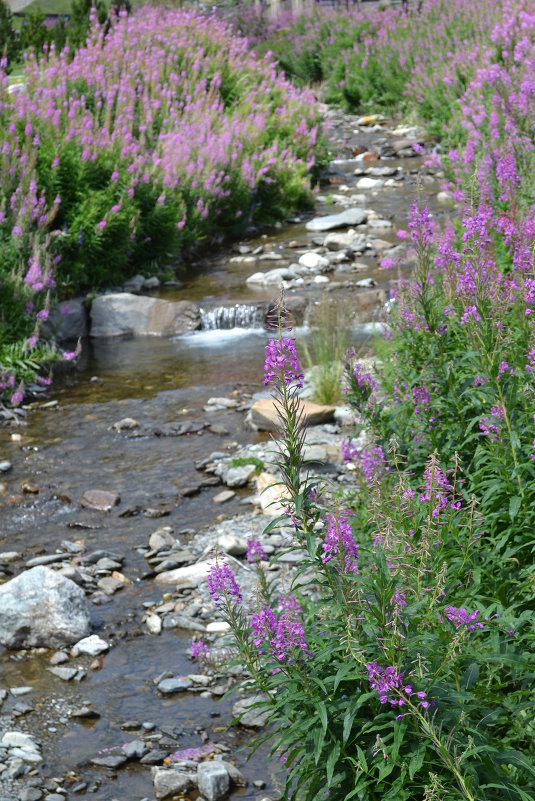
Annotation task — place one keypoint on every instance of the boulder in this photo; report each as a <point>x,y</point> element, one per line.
<point>250,713</point>
<point>348,241</point>
<point>213,780</point>
<point>42,608</point>
<point>264,415</point>
<point>124,314</point>
<point>314,261</point>
<point>345,219</point>
<point>67,320</point>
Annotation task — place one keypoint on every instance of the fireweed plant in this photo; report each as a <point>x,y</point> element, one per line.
<point>161,132</point>
<point>386,672</point>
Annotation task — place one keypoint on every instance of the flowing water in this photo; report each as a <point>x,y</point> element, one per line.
<point>70,447</point>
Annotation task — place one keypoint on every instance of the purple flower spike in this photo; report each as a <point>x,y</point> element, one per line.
<point>339,541</point>
<point>222,582</point>
<point>255,552</point>
<point>282,362</point>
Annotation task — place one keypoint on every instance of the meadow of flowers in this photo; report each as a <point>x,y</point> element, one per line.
<point>162,132</point>
<point>410,675</point>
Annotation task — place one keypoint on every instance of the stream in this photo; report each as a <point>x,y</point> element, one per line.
<point>66,446</point>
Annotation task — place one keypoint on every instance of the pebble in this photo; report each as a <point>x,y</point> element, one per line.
<point>5,467</point>
<point>154,624</point>
<point>20,690</point>
<point>169,686</point>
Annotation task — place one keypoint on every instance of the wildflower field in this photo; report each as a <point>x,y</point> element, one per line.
<point>162,132</point>
<point>409,675</point>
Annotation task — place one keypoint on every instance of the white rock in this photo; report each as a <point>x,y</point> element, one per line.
<point>190,575</point>
<point>17,739</point>
<point>230,543</point>
<point>90,646</point>
<point>154,624</point>
<point>369,183</point>
<point>313,260</point>
<point>217,626</point>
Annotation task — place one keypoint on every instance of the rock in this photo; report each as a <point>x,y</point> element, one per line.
<point>134,284</point>
<point>111,761</point>
<point>28,755</point>
<point>213,780</point>
<point>59,658</point>
<point>65,673</point>
<point>154,624</point>
<point>30,794</point>
<point>239,476</point>
<point>67,320</point>
<point>18,739</point>
<point>379,223</point>
<point>176,685</point>
<point>230,543</point>
<point>110,585</point>
<point>5,466</point>
<point>155,757</point>
<point>90,646</point>
<point>315,453</point>
<point>126,424</point>
<point>85,713</point>
<point>314,261</point>
<point>345,219</point>
<point>271,493</point>
<point>50,559</point>
<point>124,314</point>
<point>101,500</point>
<point>9,556</point>
<point>42,608</point>
<point>217,627</point>
<point>169,782</point>
<point>275,277</point>
<point>189,576</point>
<point>152,283</point>
<point>17,691</point>
<point>30,489</point>
<point>369,183</point>
<point>264,415</point>
<point>255,717</point>
<point>445,199</point>
<point>163,538</point>
<point>223,497</point>
<point>366,283</point>
<point>348,241</point>
<point>236,777</point>
<point>136,749</point>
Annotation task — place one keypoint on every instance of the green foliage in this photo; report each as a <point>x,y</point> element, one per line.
<point>34,33</point>
<point>325,356</point>
<point>9,46</point>
<point>79,20</point>
<point>243,461</point>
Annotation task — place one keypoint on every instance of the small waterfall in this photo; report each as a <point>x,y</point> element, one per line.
<point>241,315</point>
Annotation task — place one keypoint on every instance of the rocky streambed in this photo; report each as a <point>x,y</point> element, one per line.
<point>118,486</point>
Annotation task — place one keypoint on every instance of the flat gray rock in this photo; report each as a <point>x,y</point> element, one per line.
<point>124,314</point>
<point>345,219</point>
<point>213,780</point>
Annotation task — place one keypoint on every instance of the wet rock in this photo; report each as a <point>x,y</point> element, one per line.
<point>169,782</point>
<point>50,559</point>
<point>41,608</point>
<point>5,466</point>
<point>90,646</point>
<point>366,283</point>
<point>236,777</point>
<point>183,622</point>
<point>64,673</point>
<point>136,749</point>
<point>110,585</point>
<point>171,686</point>
<point>126,424</point>
<point>154,757</point>
<point>111,761</point>
<point>59,658</point>
<point>249,714</point>
<point>67,320</point>
<point>101,500</point>
<point>125,314</point>
<point>86,713</point>
<point>369,183</point>
<point>345,219</point>
<point>264,415</point>
<point>213,780</point>
<point>30,489</point>
<point>223,497</point>
<point>272,277</point>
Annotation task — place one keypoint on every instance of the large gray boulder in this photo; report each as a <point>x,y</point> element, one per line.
<point>124,314</point>
<point>42,608</point>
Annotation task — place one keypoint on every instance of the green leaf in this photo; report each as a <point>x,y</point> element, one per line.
<point>349,717</point>
<point>514,506</point>
<point>331,762</point>
<point>470,676</point>
<point>362,758</point>
<point>417,761</point>
<point>322,709</point>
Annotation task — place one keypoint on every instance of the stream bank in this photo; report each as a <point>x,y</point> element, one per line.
<point>186,397</point>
